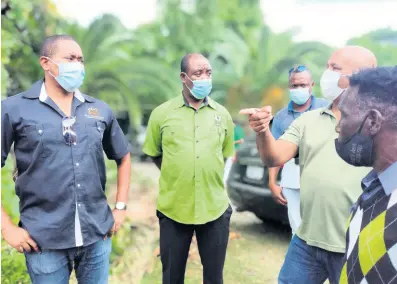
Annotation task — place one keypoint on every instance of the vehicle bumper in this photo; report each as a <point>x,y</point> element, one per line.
<point>257,200</point>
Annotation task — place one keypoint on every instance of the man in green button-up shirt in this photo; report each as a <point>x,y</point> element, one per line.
<point>189,137</point>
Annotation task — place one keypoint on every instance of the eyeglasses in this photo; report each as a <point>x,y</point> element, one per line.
<point>68,133</point>
<point>299,68</point>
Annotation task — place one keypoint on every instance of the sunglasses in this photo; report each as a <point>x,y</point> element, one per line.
<point>68,133</point>
<point>299,68</point>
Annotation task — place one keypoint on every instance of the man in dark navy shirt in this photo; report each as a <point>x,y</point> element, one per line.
<point>59,137</point>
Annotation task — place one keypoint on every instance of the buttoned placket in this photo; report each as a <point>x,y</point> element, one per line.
<point>197,161</point>
<point>78,178</point>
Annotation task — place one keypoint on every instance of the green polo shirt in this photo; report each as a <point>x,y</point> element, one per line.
<point>193,145</point>
<point>329,186</point>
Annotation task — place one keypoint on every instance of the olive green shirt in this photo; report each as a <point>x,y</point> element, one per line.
<point>193,145</point>
<point>329,186</point>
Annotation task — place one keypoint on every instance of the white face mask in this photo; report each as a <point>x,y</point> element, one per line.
<point>329,85</point>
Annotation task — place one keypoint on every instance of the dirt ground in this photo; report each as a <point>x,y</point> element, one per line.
<point>255,253</point>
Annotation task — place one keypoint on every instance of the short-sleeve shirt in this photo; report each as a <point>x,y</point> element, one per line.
<point>61,188</point>
<point>193,145</point>
<point>329,186</point>
<point>371,238</point>
<point>282,120</point>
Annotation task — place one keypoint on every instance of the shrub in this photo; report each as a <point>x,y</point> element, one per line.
<point>13,267</point>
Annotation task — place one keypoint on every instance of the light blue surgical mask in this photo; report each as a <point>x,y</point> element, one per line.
<point>300,95</point>
<point>201,88</point>
<point>70,76</point>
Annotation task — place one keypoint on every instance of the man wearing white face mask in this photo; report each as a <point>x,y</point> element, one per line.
<point>302,100</point>
<point>329,186</point>
<point>189,137</point>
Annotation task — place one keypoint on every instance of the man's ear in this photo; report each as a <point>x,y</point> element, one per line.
<point>374,120</point>
<point>183,77</point>
<point>45,63</point>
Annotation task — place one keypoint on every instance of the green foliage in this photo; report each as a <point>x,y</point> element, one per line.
<point>13,268</point>
<point>24,26</point>
<point>382,42</point>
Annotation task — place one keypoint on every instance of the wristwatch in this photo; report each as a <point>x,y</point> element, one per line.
<point>121,206</point>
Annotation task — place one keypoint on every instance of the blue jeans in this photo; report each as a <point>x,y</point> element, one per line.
<point>91,264</point>
<point>306,264</point>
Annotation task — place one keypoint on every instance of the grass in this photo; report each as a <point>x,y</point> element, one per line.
<point>254,256</point>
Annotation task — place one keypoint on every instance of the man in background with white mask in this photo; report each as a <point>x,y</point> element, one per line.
<point>329,186</point>
<point>59,136</point>
<point>189,137</point>
<point>302,100</point>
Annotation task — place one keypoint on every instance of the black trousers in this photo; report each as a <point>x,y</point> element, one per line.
<point>212,239</point>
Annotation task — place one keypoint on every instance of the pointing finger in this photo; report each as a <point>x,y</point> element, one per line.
<point>249,111</point>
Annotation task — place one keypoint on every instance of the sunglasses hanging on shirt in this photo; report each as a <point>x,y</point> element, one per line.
<point>69,135</point>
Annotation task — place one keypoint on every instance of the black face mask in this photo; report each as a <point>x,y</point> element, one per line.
<point>356,151</point>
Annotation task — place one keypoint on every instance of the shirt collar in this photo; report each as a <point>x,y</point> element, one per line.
<point>38,91</point>
<point>291,104</point>
<point>206,102</point>
<point>386,178</point>
<point>369,178</point>
<point>328,110</point>
<point>43,94</point>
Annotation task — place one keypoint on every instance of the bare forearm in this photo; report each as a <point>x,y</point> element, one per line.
<point>274,153</point>
<point>5,219</point>
<point>273,172</point>
<point>123,179</point>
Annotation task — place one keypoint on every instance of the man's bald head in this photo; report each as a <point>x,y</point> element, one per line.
<point>352,59</point>
<point>349,60</point>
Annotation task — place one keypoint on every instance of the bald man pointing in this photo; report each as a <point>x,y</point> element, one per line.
<point>329,186</point>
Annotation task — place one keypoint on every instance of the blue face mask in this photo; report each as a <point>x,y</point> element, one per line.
<point>300,95</point>
<point>201,88</point>
<point>70,76</point>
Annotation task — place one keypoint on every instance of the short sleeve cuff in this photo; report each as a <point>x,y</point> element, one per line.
<point>121,154</point>
<point>290,138</point>
<point>151,152</point>
<point>228,154</point>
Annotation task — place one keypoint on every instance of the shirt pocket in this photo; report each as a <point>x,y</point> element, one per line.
<point>215,136</point>
<point>39,137</point>
<point>95,133</point>
<point>174,138</point>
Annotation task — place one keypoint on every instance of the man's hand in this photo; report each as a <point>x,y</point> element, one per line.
<point>259,119</point>
<point>240,141</point>
<point>19,239</point>
<point>278,194</point>
<point>119,216</point>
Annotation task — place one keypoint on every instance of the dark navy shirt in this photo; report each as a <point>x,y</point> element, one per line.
<point>61,188</point>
